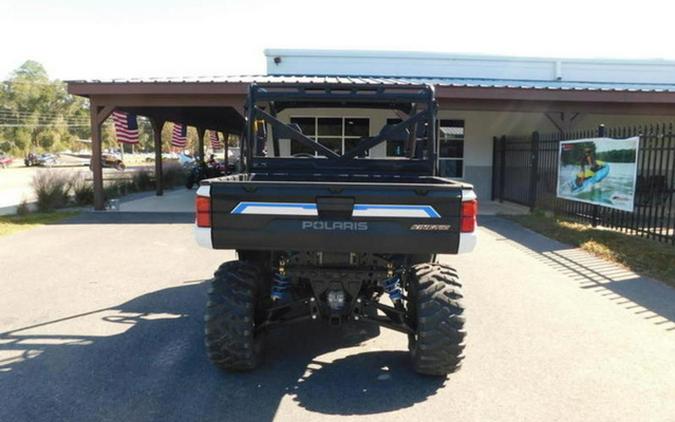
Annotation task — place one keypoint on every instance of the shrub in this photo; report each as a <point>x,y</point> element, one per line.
<point>51,189</point>
<point>115,189</point>
<point>142,181</point>
<point>83,190</point>
<point>173,173</point>
<point>23,209</point>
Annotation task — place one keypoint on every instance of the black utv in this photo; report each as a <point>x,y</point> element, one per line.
<point>337,234</point>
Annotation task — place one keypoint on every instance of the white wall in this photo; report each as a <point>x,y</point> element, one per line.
<point>592,121</point>
<point>430,65</point>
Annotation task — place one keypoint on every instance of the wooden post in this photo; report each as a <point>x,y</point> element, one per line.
<point>157,125</point>
<point>200,138</point>
<point>98,115</point>
<point>96,168</point>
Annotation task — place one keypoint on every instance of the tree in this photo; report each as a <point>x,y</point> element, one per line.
<point>38,114</point>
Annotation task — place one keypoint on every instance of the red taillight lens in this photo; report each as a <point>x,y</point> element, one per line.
<point>469,212</point>
<point>203,206</point>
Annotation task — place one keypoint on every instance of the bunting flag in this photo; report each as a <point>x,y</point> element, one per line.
<point>216,145</point>
<point>179,135</point>
<point>126,127</point>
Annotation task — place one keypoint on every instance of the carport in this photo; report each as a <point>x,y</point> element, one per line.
<point>218,103</point>
<point>205,106</point>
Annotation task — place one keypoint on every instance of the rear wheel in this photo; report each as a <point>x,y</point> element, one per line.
<point>436,312</point>
<point>233,308</point>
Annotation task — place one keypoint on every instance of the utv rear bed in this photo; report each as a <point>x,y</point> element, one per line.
<point>381,214</point>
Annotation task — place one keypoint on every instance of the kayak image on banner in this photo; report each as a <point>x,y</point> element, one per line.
<point>599,171</point>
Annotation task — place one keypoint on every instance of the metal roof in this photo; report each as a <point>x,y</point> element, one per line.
<point>384,80</point>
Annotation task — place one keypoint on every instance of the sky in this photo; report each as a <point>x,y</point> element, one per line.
<point>93,39</point>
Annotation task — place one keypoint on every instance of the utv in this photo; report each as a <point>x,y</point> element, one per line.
<point>337,235</point>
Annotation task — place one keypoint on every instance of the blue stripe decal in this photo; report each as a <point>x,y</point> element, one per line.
<point>428,209</point>
<point>366,210</point>
<point>242,206</point>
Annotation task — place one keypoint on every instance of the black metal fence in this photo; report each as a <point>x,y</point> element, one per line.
<point>525,171</point>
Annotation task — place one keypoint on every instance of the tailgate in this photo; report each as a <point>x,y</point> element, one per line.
<point>338,217</point>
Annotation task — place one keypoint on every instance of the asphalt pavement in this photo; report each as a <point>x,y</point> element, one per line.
<point>101,319</point>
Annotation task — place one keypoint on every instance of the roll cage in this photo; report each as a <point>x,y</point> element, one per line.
<point>415,105</point>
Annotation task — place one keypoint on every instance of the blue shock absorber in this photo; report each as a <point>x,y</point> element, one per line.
<point>280,284</point>
<point>393,288</point>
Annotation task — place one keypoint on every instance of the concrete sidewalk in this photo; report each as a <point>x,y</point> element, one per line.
<point>174,200</point>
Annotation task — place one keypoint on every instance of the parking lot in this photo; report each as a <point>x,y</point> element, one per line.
<point>102,320</point>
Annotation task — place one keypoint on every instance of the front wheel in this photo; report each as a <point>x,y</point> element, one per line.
<point>232,311</point>
<point>436,313</point>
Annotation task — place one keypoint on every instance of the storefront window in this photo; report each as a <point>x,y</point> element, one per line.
<point>451,148</point>
<point>307,126</point>
<point>337,133</point>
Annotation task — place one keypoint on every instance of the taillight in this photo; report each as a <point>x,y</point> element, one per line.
<point>203,206</point>
<point>469,212</point>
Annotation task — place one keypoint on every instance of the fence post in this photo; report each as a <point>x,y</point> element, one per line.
<point>534,169</point>
<point>596,208</point>
<point>502,167</point>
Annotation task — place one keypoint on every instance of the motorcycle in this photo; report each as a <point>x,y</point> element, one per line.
<point>201,171</point>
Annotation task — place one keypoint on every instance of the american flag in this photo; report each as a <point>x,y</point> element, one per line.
<point>215,142</point>
<point>126,127</point>
<point>179,135</point>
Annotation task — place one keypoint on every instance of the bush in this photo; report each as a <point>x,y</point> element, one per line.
<point>115,189</point>
<point>174,175</point>
<point>22,209</point>
<point>83,190</point>
<point>51,189</point>
<point>142,181</point>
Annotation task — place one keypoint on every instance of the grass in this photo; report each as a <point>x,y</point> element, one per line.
<point>645,256</point>
<point>15,223</point>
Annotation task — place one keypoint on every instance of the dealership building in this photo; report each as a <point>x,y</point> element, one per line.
<point>480,98</point>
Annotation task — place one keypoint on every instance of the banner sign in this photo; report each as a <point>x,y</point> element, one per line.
<point>600,171</point>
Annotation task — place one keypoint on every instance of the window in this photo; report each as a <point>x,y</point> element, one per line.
<point>395,148</point>
<point>339,134</point>
<point>451,148</point>
<point>307,126</point>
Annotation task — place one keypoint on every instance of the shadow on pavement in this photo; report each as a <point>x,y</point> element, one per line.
<point>145,360</point>
<point>651,299</point>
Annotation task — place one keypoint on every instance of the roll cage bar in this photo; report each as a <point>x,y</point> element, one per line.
<point>415,104</point>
